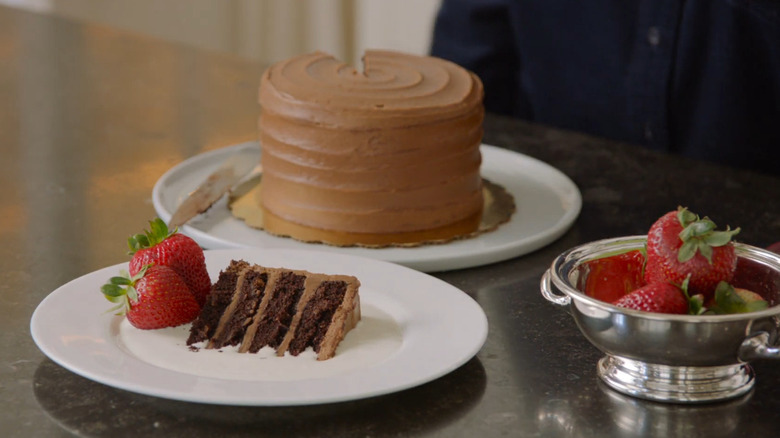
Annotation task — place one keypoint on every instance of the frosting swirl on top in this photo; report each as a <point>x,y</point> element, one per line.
<point>392,149</point>
<point>393,89</point>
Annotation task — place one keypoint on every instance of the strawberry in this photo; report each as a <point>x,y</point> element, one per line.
<point>659,297</point>
<point>155,297</point>
<point>609,278</point>
<point>729,299</point>
<point>175,250</point>
<point>680,244</point>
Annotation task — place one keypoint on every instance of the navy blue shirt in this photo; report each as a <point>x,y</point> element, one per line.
<point>700,78</point>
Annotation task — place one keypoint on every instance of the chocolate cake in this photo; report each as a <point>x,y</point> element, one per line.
<point>388,154</point>
<point>253,307</point>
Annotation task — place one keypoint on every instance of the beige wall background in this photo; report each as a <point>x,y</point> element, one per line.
<point>263,30</point>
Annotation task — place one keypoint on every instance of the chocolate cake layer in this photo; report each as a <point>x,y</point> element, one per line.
<point>276,320</point>
<point>218,299</point>
<point>250,291</point>
<point>317,315</point>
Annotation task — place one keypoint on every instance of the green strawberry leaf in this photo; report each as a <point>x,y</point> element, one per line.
<point>158,228</point>
<point>120,281</point>
<point>143,240</point>
<point>696,305</point>
<point>697,228</point>
<point>137,242</point>
<point>138,275</point>
<point>112,290</point>
<point>158,231</point>
<point>122,299</point>
<point>116,309</point>
<point>132,294</point>
<point>685,216</point>
<point>121,290</point>
<point>726,300</point>
<point>705,250</point>
<point>687,251</point>
<point>755,306</point>
<point>696,302</point>
<point>699,235</point>
<point>720,238</point>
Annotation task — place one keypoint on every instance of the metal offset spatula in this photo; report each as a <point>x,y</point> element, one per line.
<point>229,173</point>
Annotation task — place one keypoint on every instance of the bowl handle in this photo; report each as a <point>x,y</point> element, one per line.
<point>546,287</point>
<point>758,347</point>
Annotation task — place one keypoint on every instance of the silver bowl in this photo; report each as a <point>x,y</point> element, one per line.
<point>672,358</point>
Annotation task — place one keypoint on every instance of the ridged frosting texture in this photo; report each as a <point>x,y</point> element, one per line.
<point>392,148</point>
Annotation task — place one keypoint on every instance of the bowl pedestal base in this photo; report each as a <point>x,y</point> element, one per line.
<point>675,384</point>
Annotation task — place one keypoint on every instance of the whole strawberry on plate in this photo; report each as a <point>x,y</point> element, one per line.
<point>155,297</point>
<point>161,246</point>
<point>682,245</point>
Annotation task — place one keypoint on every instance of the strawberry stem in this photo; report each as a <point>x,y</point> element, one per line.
<point>121,290</point>
<point>696,302</point>
<point>158,231</point>
<point>699,235</point>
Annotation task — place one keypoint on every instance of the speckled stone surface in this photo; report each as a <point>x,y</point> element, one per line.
<point>91,117</point>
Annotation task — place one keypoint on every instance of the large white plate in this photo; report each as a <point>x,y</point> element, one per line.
<point>547,202</point>
<point>437,326</point>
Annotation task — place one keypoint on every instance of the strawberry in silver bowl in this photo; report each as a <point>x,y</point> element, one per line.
<point>692,345</point>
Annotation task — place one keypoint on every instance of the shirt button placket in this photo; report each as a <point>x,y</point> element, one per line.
<point>653,36</point>
<point>654,39</point>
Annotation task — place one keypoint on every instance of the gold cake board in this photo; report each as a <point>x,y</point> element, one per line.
<point>499,205</point>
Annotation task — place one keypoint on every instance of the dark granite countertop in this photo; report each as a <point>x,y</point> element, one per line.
<point>91,117</point>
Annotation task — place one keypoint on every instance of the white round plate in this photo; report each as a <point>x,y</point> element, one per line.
<point>547,202</point>
<point>415,328</point>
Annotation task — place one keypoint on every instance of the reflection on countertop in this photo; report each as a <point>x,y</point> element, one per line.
<point>90,409</point>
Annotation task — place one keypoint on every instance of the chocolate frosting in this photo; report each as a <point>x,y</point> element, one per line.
<point>394,148</point>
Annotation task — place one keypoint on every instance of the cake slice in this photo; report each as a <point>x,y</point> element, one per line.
<point>287,310</point>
